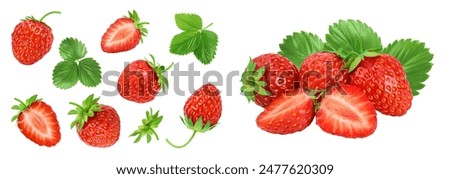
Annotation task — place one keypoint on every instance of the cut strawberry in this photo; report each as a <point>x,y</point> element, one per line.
<point>288,113</point>
<point>124,34</point>
<point>37,121</point>
<point>347,112</point>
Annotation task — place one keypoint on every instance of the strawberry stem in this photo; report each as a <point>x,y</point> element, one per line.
<point>184,145</point>
<point>53,12</point>
<point>208,26</point>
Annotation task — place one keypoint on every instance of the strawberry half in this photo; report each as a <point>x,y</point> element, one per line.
<point>347,112</point>
<point>37,121</point>
<point>124,34</point>
<point>32,39</point>
<point>202,111</point>
<point>289,113</point>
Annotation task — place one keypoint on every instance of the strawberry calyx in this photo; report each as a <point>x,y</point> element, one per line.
<point>252,83</point>
<point>197,127</point>
<point>160,70</point>
<point>84,111</point>
<point>149,124</point>
<point>353,59</point>
<point>42,18</point>
<point>138,24</point>
<point>23,106</point>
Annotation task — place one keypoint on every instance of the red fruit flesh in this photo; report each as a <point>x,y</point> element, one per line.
<point>383,80</point>
<point>289,113</point>
<point>31,41</point>
<point>138,82</point>
<point>39,124</point>
<point>102,129</point>
<point>205,103</point>
<point>347,112</point>
<point>121,36</point>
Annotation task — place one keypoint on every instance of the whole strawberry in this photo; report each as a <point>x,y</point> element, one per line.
<point>97,125</point>
<point>383,80</point>
<point>124,34</point>
<point>37,121</point>
<point>202,111</point>
<point>321,70</point>
<point>141,80</point>
<point>32,39</point>
<point>267,77</point>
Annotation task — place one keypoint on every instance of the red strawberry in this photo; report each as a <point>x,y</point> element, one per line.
<point>141,80</point>
<point>383,80</point>
<point>289,113</point>
<point>37,121</point>
<point>32,39</point>
<point>267,77</point>
<point>321,70</point>
<point>202,111</point>
<point>97,125</point>
<point>347,112</point>
<point>124,34</point>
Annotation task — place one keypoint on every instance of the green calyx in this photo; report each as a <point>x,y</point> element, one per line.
<point>138,24</point>
<point>84,111</point>
<point>252,83</point>
<point>160,70</point>
<point>195,127</point>
<point>42,18</point>
<point>149,124</point>
<point>23,106</point>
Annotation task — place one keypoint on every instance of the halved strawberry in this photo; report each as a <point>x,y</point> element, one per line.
<point>37,121</point>
<point>291,112</point>
<point>347,112</point>
<point>124,34</point>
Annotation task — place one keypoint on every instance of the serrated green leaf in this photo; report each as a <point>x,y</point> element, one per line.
<point>299,45</point>
<point>65,74</point>
<point>89,72</point>
<point>188,22</point>
<point>185,42</point>
<point>352,38</point>
<point>208,45</point>
<point>416,60</point>
<point>72,49</point>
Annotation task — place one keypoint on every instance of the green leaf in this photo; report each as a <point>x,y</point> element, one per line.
<point>89,72</point>
<point>208,45</point>
<point>352,39</point>
<point>416,60</point>
<point>185,42</point>
<point>72,49</point>
<point>198,124</point>
<point>188,22</point>
<point>299,45</point>
<point>65,74</point>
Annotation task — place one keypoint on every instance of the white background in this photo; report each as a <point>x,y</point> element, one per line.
<point>414,145</point>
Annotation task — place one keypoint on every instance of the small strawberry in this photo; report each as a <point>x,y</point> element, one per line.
<point>383,80</point>
<point>202,111</point>
<point>141,80</point>
<point>37,121</point>
<point>267,77</point>
<point>32,39</point>
<point>124,34</point>
<point>347,112</point>
<point>288,113</point>
<point>321,70</point>
<point>97,125</point>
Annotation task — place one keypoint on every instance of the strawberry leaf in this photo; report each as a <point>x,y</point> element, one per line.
<point>185,42</point>
<point>72,49</point>
<point>208,45</point>
<point>89,72</point>
<point>299,45</point>
<point>416,60</point>
<point>65,74</point>
<point>188,22</point>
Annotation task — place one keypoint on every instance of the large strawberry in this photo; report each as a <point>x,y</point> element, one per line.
<point>37,121</point>
<point>97,125</point>
<point>383,80</point>
<point>124,34</point>
<point>267,77</point>
<point>288,113</point>
<point>202,111</point>
<point>32,39</point>
<point>141,80</point>
<point>321,70</point>
<point>347,112</point>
